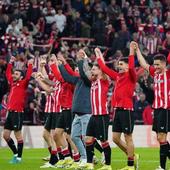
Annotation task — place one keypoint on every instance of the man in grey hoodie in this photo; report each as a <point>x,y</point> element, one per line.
<point>81,106</point>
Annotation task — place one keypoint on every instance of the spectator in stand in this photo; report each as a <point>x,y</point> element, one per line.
<point>98,29</point>
<point>3,83</point>
<point>77,24</point>
<point>109,36</point>
<point>167,24</point>
<point>14,27</point>
<point>155,15</point>
<point>113,11</point>
<point>60,20</point>
<point>166,43</point>
<point>49,17</point>
<point>88,15</point>
<point>78,6</point>
<point>48,10</point>
<point>139,108</point>
<point>34,12</point>
<point>85,29</point>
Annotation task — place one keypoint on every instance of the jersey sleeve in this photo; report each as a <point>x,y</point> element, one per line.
<point>56,72</point>
<point>111,73</point>
<point>9,73</point>
<point>151,71</point>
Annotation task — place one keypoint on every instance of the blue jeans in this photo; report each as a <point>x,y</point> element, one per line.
<point>78,133</point>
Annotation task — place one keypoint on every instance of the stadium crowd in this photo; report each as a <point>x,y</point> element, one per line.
<point>41,27</point>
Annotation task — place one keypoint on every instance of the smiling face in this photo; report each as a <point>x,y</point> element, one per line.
<point>95,72</point>
<point>159,66</point>
<point>17,76</point>
<point>122,66</point>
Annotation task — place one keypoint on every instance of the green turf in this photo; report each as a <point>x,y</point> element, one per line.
<point>32,159</point>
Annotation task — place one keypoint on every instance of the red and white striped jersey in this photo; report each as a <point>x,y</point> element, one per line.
<point>99,90</point>
<point>161,89</point>
<point>52,100</point>
<point>48,104</point>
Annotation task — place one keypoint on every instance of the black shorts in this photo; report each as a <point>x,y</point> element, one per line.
<point>123,121</point>
<point>65,121</point>
<point>98,127</point>
<point>51,121</point>
<point>14,121</point>
<point>161,120</point>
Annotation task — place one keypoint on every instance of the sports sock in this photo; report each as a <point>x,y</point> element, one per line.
<point>130,161</point>
<point>53,158</point>
<point>60,155</point>
<point>12,146</point>
<point>66,152</point>
<point>163,154</point>
<point>90,151</point>
<point>20,148</point>
<point>98,146</point>
<point>76,157</point>
<point>107,152</point>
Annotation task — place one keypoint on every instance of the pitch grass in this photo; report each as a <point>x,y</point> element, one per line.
<point>32,159</point>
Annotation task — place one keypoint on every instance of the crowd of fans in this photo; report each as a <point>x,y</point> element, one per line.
<point>38,27</point>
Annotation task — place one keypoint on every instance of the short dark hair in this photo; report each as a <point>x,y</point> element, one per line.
<point>124,59</point>
<point>21,72</point>
<point>160,57</point>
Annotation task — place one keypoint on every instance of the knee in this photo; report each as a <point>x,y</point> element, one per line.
<point>6,136</point>
<point>128,138</point>
<point>44,135</point>
<point>89,139</point>
<point>58,132</point>
<point>161,137</point>
<point>116,139</point>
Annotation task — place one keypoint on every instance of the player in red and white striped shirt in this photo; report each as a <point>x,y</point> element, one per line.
<point>161,105</point>
<point>52,108</point>
<point>99,121</point>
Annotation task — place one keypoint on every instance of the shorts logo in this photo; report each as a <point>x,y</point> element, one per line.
<point>162,127</point>
<point>126,128</point>
<point>15,126</point>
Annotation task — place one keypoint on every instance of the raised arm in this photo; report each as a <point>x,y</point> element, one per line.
<point>29,70</point>
<point>111,73</point>
<point>66,65</point>
<point>66,76</point>
<point>70,70</point>
<point>141,59</point>
<point>82,73</point>
<point>131,62</point>
<point>53,63</point>
<point>56,72</point>
<point>81,55</point>
<point>43,85</point>
<point>9,70</point>
<point>87,68</point>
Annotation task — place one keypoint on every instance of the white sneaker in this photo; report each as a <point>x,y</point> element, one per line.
<point>47,165</point>
<point>159,168</point>
<point>82,163</point>
<point>47,158</point>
